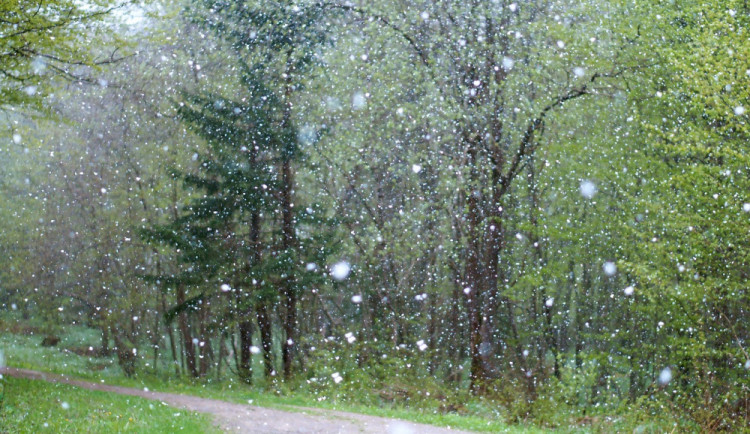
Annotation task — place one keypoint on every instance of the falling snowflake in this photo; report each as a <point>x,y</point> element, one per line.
<point>508,63</point>
<point>665,376</point>
<point>588,189</point>
<point>609,268</point>
<point>358,101</point>
<point>340,270</point>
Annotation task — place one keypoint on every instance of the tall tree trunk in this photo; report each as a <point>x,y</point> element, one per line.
<point>156,340</point>
<point>105,351</point>
<point>243,305</point>
<point>473,278</point>
<point>456,342</point>
<point>289,347</point>
<point>289,240</point>
<point>245,367</point>
<point>205,349</point>
<point>220,360</point>
<point>170,334</point>
<point>266,337</point>
<point>187,338</point>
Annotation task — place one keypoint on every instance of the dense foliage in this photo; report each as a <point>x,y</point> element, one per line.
<point>542,203</point>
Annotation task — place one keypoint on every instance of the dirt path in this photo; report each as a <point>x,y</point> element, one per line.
<point>252,419</point>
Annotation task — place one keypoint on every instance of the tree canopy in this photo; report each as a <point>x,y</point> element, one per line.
<point>536,209</point>
<point>39,38</point>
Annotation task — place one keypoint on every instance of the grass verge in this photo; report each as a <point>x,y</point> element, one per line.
<point>33,406</point>
<point>24,351</point>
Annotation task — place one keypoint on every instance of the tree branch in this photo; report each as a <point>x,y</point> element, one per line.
<point>421,52</point>
<point>527,145</point>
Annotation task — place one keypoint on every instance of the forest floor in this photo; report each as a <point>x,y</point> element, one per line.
<point>252,419</point>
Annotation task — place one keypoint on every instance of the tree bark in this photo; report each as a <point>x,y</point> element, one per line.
<point>288,348</point>
<point>473,277</point>
<point>245,368</point>
<point>266,337</point>
<point>205,349</point>
<point>105,351</point>
<point>170,334</point>
<point>289,239</point>
<point>187,338</point>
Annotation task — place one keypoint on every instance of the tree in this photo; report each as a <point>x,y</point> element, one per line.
<point>695,253</point>
<point>274,44</point>
<point>40,38</point>
<point>249,172</point>
<point>492,91</point>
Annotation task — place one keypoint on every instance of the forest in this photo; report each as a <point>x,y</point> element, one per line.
<point>529,214</point>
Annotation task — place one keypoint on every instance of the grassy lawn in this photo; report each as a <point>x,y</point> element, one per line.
<point>32,406</point>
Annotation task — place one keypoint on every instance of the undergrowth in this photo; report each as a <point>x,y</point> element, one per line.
<point>388,388</point>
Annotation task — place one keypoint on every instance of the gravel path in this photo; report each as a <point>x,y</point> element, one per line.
<point>252,419</point>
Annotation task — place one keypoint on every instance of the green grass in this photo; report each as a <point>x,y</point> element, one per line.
<point>24,351</point>
<point>32,406</point>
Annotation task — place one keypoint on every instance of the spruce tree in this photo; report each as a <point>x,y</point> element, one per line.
<point>247,216</point>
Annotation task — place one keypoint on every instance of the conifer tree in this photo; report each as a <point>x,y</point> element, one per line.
<point>247,216</point>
